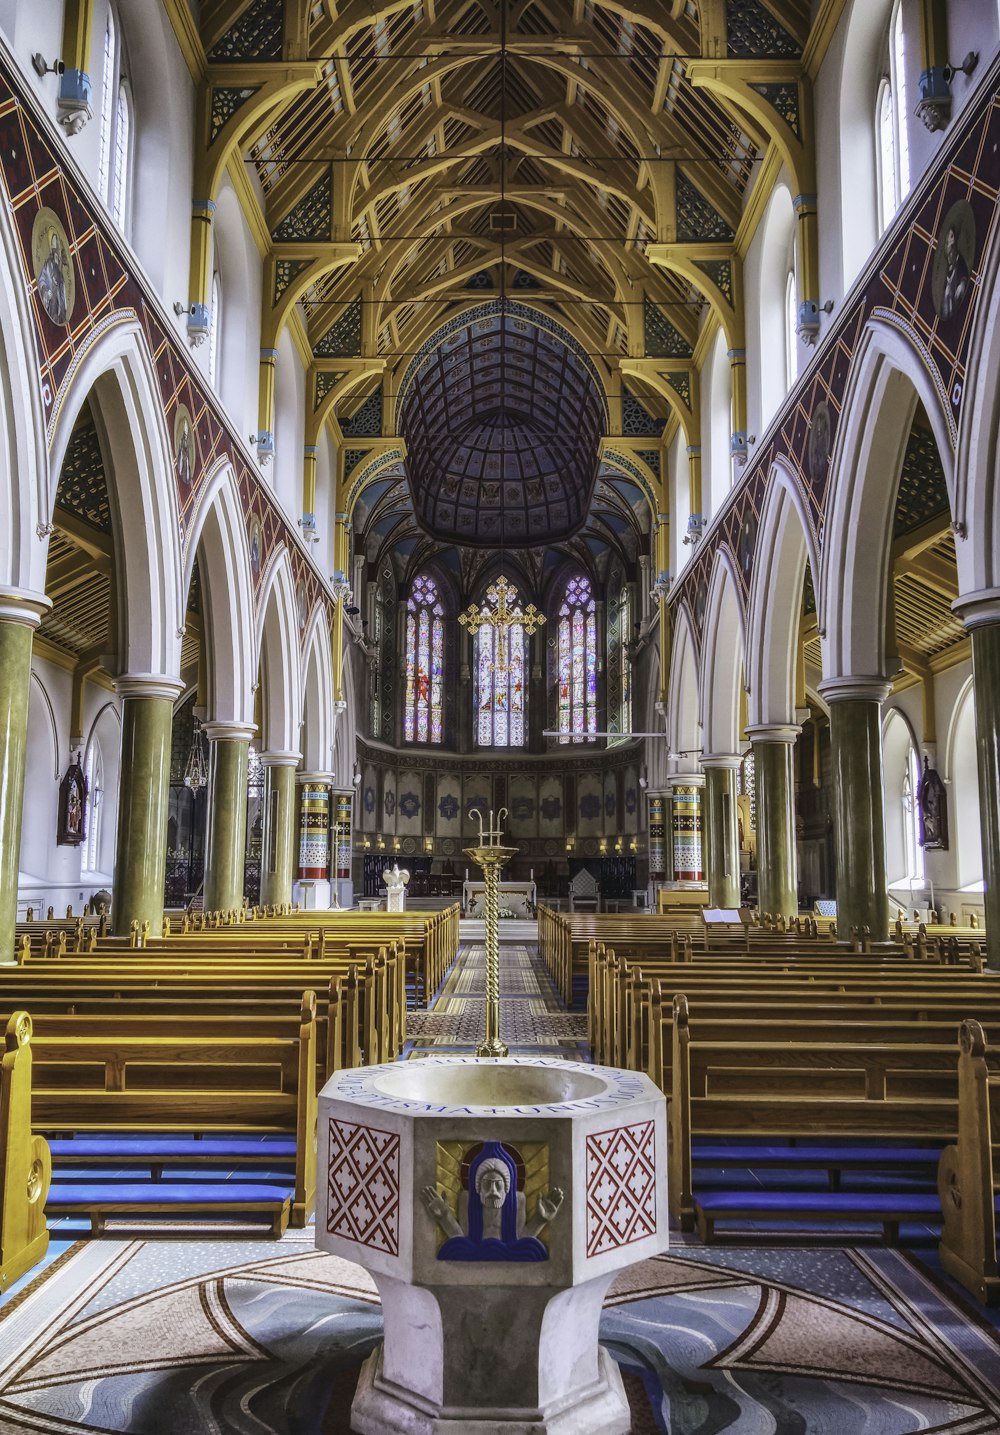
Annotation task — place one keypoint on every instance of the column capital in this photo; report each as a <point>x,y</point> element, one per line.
<point>686,779</point>
<point>317,779</point>
<point>280,759</point>
<point>148,685</point>
<point>228,731</point>
<point>22,605</point>
<point>714,761</point>
<point>978,610</point>
<point>773,732</point>
<point>866,687</point>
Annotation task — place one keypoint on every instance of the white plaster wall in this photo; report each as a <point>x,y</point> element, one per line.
<point>765,272</point>
<point>285,473</point>
<point>326,468</point>
<point>679,496</point>
<point>28,28</point>
<point>49,874</point>
<point>241,275</point>
<point>716,423</point>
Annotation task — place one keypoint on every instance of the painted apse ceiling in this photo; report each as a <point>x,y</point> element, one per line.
<point>502,359</point>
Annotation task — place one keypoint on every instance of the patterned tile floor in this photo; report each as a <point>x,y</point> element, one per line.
<point>532,1018</point>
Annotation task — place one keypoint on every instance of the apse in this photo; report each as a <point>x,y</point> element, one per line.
<point>502,420</point>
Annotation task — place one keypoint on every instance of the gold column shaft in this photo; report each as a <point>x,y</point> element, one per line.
<point>491,858</point>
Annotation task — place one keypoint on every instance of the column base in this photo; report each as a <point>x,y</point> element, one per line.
<point>312,895</point>
<point>383,1408</point>
<point>344,887</point>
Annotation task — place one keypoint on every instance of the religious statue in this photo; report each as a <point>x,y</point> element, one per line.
<point>395,879</point>
<point>72,813</point>
<point>497,1230</point>
<point>932,810</point>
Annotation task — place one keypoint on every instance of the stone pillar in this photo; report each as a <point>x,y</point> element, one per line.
<point>773,756</point>
<point>143,800</point>
<point>858,795</point>
<point>20,614</point>
<point>313,886</point>
<point>981,615</point>
<point>686,828</point>
<point>277,865</point>
<point>657,836</point>
<point>226,834</point>
<point>722,829</point>
<point>343,845</point>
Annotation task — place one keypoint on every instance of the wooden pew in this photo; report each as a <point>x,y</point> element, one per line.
<point>864,1091</point>
<point>969,1171</point>
<point>25,1164</point>
<point>159,1086</point>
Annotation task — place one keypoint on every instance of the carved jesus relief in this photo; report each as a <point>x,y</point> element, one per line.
<point>503,1196</point>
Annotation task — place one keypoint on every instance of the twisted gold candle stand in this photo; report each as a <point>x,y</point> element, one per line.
<point>491,855</point>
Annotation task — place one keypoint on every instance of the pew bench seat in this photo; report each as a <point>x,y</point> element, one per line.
<point>100,1199</point>
<point>887,1210</point>
<point>154,1152</point>
<point>832,1159</point>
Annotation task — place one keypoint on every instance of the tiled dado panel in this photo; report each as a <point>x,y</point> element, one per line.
<point>904,286</point>
<point>100,291</point>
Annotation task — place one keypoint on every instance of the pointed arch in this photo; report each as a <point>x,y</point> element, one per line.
<point>117,375</point>
<point>785,544</point>
<point>723,659</point>
<point>317,695</point>
<point>887,379</point>
<point>278,659</point>
<point>684,703</point>
<point>24,465</point>
<point>976,500</point>
<point>217,534</point>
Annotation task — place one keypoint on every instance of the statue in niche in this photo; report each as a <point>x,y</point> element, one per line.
<point>72,806</point>
<point>497,1229</point>
<point>932,810</point>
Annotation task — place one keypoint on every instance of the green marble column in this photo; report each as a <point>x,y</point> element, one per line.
<point>722,830</point>
<point>859,803</point>
<point>981,615</point>
<point>278,858</point>
<point>20,614</point>
<point>143,800</point>
<point>226,835</point>
<point>773,752</point>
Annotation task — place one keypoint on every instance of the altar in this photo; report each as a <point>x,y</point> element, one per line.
<point>518,899</point>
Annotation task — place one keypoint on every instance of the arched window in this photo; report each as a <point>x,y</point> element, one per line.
<point>912,850</point>
<point>215,320</point>
<point>422,713</point>
<point>94,774</point>
<point>577,663</point>
<point>890,121</point>
<point>791,337</point>
<point>625,624</point>
<point>114,155</point>
<point>500,699</point>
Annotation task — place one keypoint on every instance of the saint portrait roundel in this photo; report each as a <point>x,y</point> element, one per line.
<point>185,448</point>
<point>954,262</point>
<point>53,267</point>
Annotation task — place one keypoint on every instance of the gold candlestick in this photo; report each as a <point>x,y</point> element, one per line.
<point>490,855</point>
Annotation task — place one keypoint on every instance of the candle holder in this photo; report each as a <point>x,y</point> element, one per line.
<point>491,855</point>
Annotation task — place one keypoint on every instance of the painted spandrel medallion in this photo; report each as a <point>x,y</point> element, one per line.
<point>52,263</point>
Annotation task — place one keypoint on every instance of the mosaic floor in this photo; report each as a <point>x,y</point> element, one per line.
<point>532,1018</point>
<point>245,1338</point>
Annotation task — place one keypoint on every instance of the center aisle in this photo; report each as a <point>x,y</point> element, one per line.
<point>533,1020</point>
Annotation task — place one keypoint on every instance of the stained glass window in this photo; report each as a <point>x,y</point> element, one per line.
<point>424,702</point>
<point>625,626</point>
<point>578,663</point>
<point>500,701</point>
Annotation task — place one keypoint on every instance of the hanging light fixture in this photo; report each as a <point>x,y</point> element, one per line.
<point>196,771</point>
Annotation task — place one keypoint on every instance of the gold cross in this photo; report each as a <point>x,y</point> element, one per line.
<point>504,614</point>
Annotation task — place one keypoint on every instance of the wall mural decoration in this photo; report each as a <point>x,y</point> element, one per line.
<point>925,283</point>
<point>78,277</point>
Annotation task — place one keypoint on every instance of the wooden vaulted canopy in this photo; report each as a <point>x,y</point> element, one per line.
<point>415,159</point>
